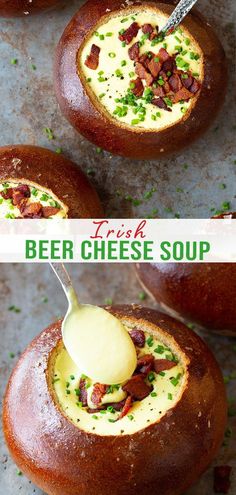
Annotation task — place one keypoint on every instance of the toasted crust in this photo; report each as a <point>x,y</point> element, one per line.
<point>20,8</point>
<point>61,458</point>
<point>54,173</point>
<point>203,293</point>
<point>80,110</point>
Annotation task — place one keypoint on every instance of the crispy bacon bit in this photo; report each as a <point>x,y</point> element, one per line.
<point>163,55</point>
<point>138,337</point>
<point>83,397</point>
<point>33,210</point>
<point>24,189</point>
<point>145,364</point>
<point>159,91</point>
<point>195,86</point>
<point>130,33</point>
<point>160,103</point>
<point>117,405</point>
<point>169,65</point>
<point>144,60</point>
<point>175,83</point>
<point>17,197</point>
<point>49,211</point>
<point>138,88</point>
<point>137,388</point>
<point>163,365</point>
<point>92,59</point>
<point>222,479</point>
<point>187,81</point>
<point>126,407</point>
<point>90,410</point>
<point>154,65</point>
<point>98,392</point>
<point>147,28</point>
<point>134,52</point>
<point>182,94</point>
<point>7,194</point>
<point>143,73</point>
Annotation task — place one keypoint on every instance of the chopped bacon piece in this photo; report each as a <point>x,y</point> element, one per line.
<point>222,479</point>
<point>49,211</point>
<point>24,189</point>
<point>133,52</point>
<point>17,197</point>
<point>126,407</point>
<point>147,28</point>
<point>117,405</point>
<point>138,88</point>
<point>159,91</point>
<point>145,364</point>
<point>160,103</point>
<point>138,337</point>
<point>137,388</point>
<point>169,65</point>
<point>83,397</point>
<point>33,210</point>
<point>7,194</point>
<point>92,59</point>
<point>195,86</point>
<point>182,94</point>
<point>166,87</point>
<point>144,60</point>
<point>98,392</point>
<point>90,410</point>
<point>163,365</point>
<point>130,33</point>
<point>154,65</point>
<point>143,73</point>
<point>163,55</point>
<point>187,81</point>
<point>175,83</point>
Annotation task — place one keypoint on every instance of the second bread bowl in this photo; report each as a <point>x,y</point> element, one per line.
<point>37,183</point>
<point>132,92</point>
<point>70,436</point>
<point>24,8</point>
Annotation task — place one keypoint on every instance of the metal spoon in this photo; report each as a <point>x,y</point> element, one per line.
<point>96,341</point>
<point>177,16</point>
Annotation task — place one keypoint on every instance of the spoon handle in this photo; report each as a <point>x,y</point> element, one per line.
<point>63,276</point>
<point>181,10</point>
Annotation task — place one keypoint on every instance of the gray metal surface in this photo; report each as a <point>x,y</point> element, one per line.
<point>27,286</point>
<point>188,183</point>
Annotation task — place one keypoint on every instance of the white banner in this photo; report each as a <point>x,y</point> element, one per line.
<point>118,240</point>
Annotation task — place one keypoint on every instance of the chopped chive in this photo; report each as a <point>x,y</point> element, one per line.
<point>170,396</point>
<point>112,54</point>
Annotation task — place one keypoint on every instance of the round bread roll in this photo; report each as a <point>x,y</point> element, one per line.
<point>63,448</point>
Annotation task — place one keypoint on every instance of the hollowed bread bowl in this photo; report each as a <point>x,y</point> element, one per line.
<point>61,457</point>
<point>31,176</point>
<point>23,8</point>
<point>116,99</point>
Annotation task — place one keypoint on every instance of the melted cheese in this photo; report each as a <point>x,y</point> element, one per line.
<point>92,337</point>
<point>8,210</point>
<point>112,78</point>
<point>167,390</point>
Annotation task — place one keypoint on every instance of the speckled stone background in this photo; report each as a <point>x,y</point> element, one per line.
<point>192,183</point>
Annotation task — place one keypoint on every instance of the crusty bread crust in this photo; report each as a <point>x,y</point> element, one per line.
<point>61,458</point>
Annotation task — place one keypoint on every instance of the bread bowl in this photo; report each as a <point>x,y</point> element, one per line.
<point>202,293</point>
<point>128,92</point>
<point>147,450</point>
<point>21,8</point>
<point>37,183</point>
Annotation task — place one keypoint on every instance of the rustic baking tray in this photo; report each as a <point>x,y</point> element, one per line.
<point>193,183</point>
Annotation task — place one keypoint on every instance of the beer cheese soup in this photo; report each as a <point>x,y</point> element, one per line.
<point>29,200</point>
<point>135,76</point>
<point>155,387</point>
